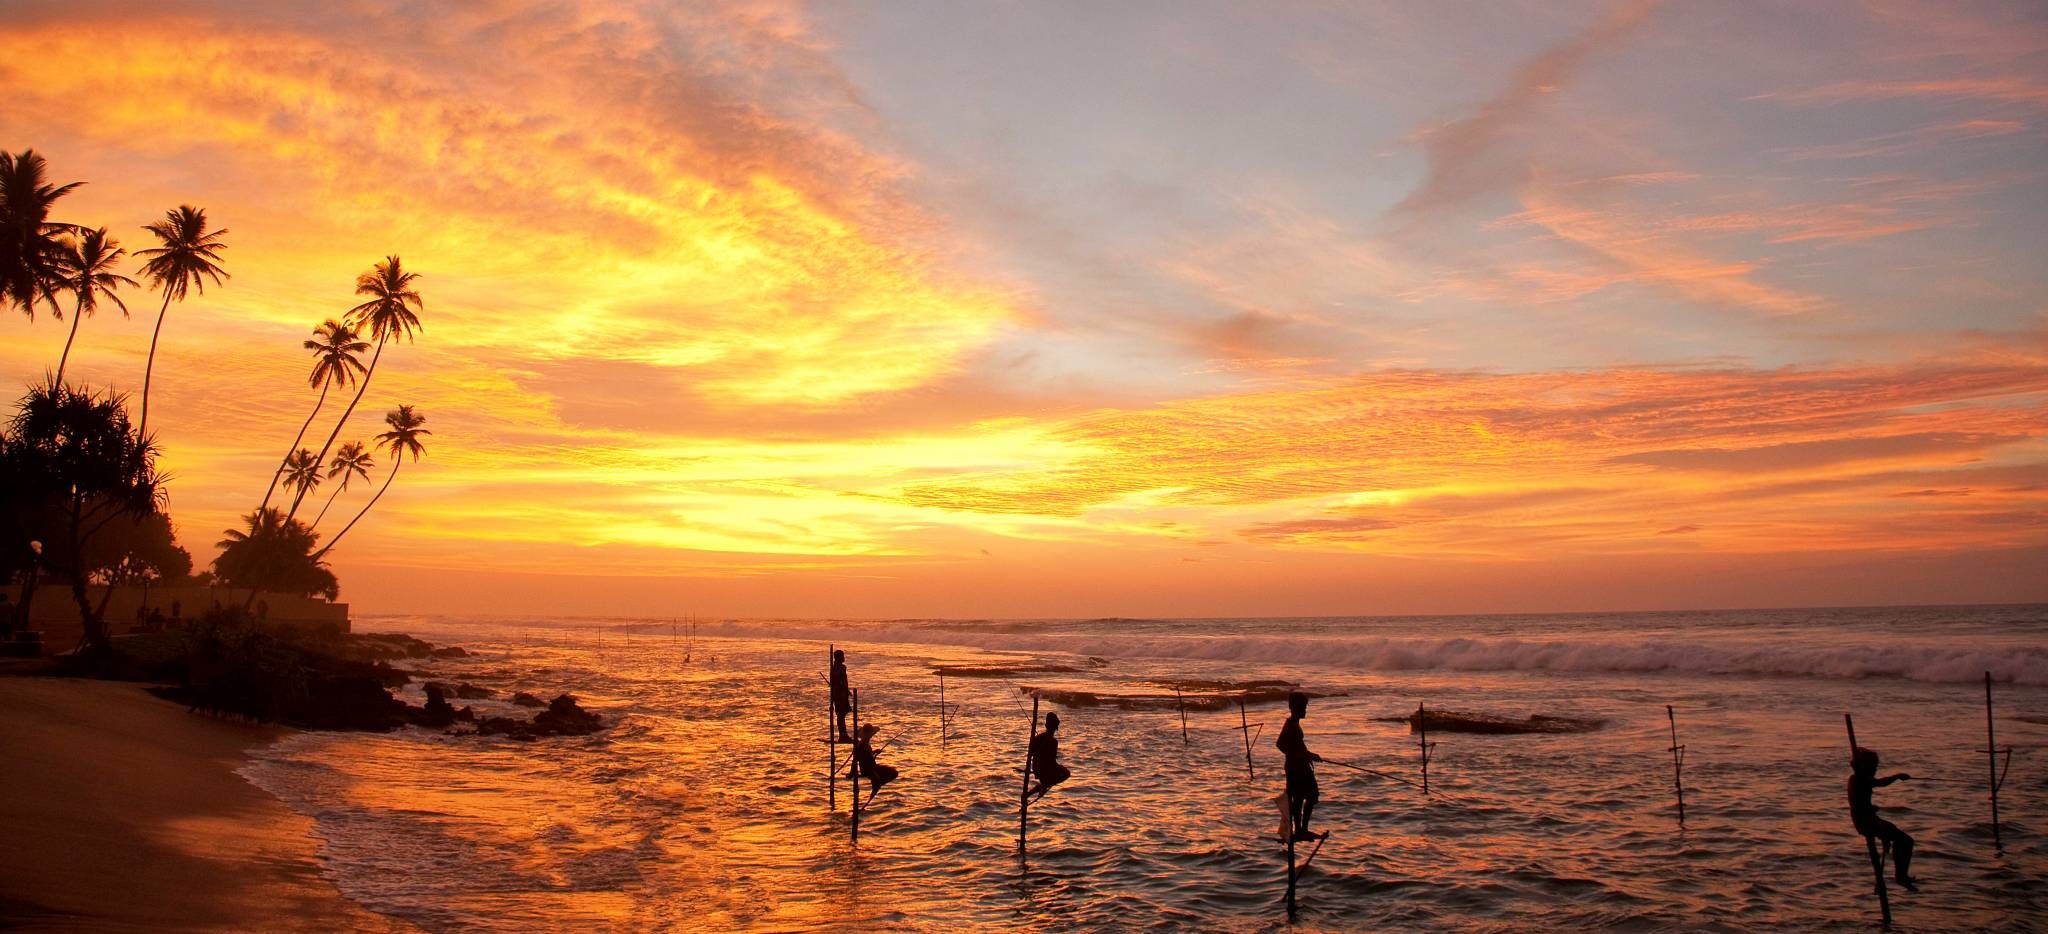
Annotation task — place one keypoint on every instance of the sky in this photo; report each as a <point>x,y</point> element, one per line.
<point>1006,309</point>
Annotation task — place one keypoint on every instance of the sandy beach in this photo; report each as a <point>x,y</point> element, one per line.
<point>122,811</point>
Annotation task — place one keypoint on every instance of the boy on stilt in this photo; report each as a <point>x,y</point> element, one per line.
<point>842,696</point>
<point>1863,813</point>
<point>1045,760</point>
<point>1302,792</point>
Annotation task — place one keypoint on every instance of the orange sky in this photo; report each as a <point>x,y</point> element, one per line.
<point>770,309</point>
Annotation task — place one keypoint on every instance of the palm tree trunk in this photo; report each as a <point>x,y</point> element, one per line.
<point>330,505</point>
<point>395,461</point>
<point>361,388</point>
<point>142,423</point>
<point>66,358</point>
<point>295,445</point>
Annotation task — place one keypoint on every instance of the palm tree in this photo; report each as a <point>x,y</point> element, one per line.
<point>274,556</point>
<point>29,240</point>
<point>334,346</point>
<point>352,460</point>
<point>391,310</point>
<point>189,256</point>
<point>86,271</point>
<point>301,471</point>
<point>402,439</point>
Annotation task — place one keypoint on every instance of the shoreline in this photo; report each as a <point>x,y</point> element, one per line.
<point>121,810</point>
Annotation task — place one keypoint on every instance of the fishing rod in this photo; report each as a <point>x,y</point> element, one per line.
<point>1396,778</point>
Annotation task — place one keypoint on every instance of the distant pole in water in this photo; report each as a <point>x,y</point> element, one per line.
<point>942,711</point>
<point>1244,726</point>
<point>853,769</point>
<point>1991,752</point>
<point>1183,705</point>
<point>831,738</point>
<point>1024,795</point>
<point>1884,898</point>
<point>1677,759</point>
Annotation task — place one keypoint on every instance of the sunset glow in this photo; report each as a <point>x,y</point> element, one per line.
<point>936,310</point>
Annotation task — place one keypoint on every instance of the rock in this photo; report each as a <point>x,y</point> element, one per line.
<point>452,651</point>
<point>437,713</point>
<point>524,699</point>
<point>467,691</point>
<point>564,718</point>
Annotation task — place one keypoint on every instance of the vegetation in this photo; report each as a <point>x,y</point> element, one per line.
<point>81,500</point>
<point>402,439</point>
<point>391,311</point>
<point>77,471</point>
<point>188,255</point>
<point>274,554</point>
<point>334,346</point>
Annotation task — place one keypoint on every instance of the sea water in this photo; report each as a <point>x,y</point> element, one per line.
<point>707,807</point>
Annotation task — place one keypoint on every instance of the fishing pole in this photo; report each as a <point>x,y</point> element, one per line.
<point>1396,778</point>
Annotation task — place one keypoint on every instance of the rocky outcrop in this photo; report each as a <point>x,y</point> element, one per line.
<point>564,717</point>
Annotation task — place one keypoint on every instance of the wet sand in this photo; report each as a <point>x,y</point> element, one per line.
<point>121,811</point>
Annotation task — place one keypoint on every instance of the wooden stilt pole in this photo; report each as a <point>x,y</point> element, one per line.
<point>1183,705</point>
<point>1677,761</point>
<point>1245,726</point>
<point>1290,854</point>
<point>1422,742</point>
<point>831,736</point>
<point>1024,798</point>
<point>942,711</point>
<point>1884,898</point>
<point>853,769</point>
<point>1997,777</point>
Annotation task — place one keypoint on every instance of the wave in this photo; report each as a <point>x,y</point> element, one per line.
<point>1617,654</point>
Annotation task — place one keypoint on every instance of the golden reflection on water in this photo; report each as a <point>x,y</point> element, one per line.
<point>705,808</point>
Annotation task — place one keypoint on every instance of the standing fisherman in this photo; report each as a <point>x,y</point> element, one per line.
<point>842,696</point>
<point>1302,792</point>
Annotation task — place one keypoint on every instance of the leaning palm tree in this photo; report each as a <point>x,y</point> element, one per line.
<point>392,310</point>
<point>301,471</point>
<point>190,255</point>
<point>86,271</point>
<point>402,439</point>
<point>334,346</point>
<point>350,460</point>
<point>30,242</point>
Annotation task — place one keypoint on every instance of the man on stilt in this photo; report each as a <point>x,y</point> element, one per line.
<point>1302,792</point>
<point>865,765</point>
<point>1863,813</point>
<point>842,696</point>
<point>1045,760</point>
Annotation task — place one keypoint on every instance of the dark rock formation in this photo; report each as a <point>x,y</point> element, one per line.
<point>524,699</point>
<point>562,718</point>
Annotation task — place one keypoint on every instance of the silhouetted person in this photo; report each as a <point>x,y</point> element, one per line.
<point>842,696</point>
<point>1302,792</point>
<point>864,761</point>
<point>1862,780</point>
<point>156,620</point>
<point>1045,759</point>
<point>177,615</point>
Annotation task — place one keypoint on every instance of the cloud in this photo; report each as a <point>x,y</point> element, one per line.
<point>1464,157</point>
<point>2005,90</point>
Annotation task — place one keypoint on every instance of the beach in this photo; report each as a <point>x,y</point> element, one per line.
<point>122,811</point>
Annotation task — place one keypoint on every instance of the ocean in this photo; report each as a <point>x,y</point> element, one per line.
<point>706,806</point>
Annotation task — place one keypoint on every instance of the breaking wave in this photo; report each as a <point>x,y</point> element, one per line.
<point>1616,653</point>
